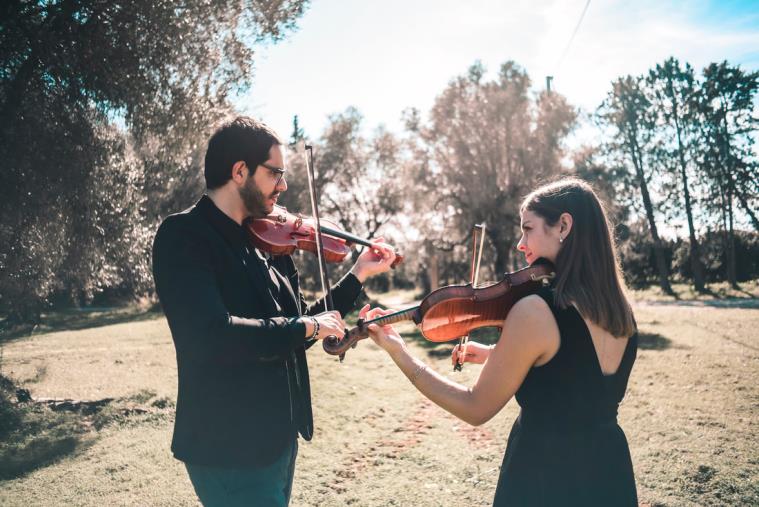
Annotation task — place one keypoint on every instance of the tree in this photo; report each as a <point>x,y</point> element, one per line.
<point>726,105</point>
<point>103,106</point>
<point>298,134</point>
<point>672,90</point>
<point>628,114</point>
<point>487,144</point>
<point>357,178</point>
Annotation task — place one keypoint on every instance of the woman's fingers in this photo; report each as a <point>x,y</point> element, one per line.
<point>455,354</point>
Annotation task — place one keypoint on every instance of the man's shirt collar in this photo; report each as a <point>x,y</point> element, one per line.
<point>233,233</point>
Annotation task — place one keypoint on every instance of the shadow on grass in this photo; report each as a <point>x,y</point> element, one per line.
<point>80,318</point>
<point>21,459</point>
<point>653,341</point>
<point>37,434</point>
<point>33,436</point>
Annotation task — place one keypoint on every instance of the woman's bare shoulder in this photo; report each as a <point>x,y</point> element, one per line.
<point>529,308</point>
<point>531,326</point>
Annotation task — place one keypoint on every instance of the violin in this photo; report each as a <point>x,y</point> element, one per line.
<point>282,232</point>
<point>454,311</point>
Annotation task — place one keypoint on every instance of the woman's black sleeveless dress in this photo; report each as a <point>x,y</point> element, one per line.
<point>566,448</point>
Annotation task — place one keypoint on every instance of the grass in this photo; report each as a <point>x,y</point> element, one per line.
<point>691,416</point>
<point>80,318</point>
<point>717,294</point>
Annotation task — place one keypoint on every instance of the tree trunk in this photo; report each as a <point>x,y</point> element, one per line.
<point>661,266</point>
<point>728,236</point>
<point>744,204</point>
<point>501,244</point>
<point>432,272</point>
<point>731,271</point>
<point>730,190</point>
<point>695,259</point>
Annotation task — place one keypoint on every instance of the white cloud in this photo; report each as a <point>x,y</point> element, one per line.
<point>385,56</point>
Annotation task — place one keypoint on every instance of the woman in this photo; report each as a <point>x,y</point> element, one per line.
<point>565,352</point>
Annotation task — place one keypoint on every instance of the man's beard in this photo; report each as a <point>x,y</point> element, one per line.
<point>254,200</point>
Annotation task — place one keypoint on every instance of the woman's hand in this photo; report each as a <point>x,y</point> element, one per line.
<point>476,353</point>
<point>384,336</point>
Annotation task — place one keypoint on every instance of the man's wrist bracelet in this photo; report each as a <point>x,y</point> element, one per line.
<point>315,324</point>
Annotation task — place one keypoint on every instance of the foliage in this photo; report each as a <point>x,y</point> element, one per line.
<point>487,144</point>
<point>357,178</point>
<point>673,92</point>
<point>727,159</point>
<point>105,107</point>
<point>636,252</point>
<point>688,143</point>
<point>629,118</point>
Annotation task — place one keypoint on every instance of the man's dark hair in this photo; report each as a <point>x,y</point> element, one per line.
<point>240,139</point>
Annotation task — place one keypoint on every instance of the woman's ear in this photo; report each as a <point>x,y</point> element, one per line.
<point>565,222</point>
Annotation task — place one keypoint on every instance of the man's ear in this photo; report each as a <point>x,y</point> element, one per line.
<point>565,220</point>
<point>239,172</point>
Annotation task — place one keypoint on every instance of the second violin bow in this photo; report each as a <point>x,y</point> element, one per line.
<point>474,278</point>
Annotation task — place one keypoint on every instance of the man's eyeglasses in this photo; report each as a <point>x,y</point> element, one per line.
<point>278,171</point>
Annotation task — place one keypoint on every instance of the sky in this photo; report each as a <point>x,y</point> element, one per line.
<point>384,56</point>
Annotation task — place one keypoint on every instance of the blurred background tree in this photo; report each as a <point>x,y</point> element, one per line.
<point>486,145</point>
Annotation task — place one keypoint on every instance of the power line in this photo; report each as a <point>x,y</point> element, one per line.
<point>572,38</point>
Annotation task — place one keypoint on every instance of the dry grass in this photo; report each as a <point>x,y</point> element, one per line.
<point>717,294</point>
<point>690,416</point>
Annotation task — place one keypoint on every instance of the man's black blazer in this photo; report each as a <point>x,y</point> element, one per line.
<point>243,389</point>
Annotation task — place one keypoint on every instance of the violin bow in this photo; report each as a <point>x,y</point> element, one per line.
<point>474,278</point>
<point>326,289</point>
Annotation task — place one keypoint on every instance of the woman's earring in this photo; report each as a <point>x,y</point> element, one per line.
<point>561,240</point>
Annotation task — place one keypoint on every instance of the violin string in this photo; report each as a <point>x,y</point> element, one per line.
<point>393,317</point>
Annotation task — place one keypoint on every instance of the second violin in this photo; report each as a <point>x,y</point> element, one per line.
<point>450,312</point>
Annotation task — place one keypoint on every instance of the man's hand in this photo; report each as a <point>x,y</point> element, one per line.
<point>374,260</point>
<point>330,324</point>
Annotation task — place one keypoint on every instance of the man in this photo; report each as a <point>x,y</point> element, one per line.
<point>240,326</point>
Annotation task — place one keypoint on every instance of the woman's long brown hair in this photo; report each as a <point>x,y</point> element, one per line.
<point>588,273</point>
